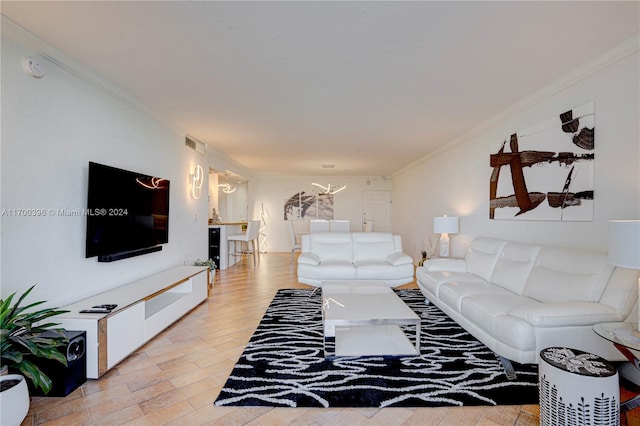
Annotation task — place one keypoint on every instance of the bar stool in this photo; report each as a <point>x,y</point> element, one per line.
<point>295,244</point>
<point>248,237</point>
<point>577,387</point>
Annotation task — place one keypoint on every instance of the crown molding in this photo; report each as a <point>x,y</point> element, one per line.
<point>618,52</point>
<point>30,41</point>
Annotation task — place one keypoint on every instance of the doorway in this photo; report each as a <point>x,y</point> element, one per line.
<point>229,196</point>
<point>376,211</point>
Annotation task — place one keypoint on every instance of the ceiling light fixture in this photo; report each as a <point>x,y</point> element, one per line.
<point>226,188</point>
<point>328,190</point>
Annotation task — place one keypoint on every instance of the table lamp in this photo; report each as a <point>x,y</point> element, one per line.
<point>624,245</point>
<point>444,226</point>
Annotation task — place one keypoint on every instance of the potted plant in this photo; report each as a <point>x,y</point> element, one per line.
<point>211,265</point>
<point>424,258</point>
<point>24,335</point>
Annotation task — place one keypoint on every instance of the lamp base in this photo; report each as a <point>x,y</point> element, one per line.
<point>444,245</point>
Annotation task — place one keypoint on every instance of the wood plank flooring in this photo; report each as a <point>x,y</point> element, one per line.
<point>174,379</point>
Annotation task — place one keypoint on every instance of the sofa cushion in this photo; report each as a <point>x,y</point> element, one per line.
<point>514,265</point>
<point>490,312</point>
<point>454,293</point>
<point>482,256</point>
<point>431,281</point>
<point>331,246</point>
<point>566,275</point>
<point>372,245</point>
<point>378,270</point>
<point>328,270</point>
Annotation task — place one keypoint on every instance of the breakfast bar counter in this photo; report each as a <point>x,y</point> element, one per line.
<point>218,247</point>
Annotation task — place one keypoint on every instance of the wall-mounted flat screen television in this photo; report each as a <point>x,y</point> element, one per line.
<point>127,213</point>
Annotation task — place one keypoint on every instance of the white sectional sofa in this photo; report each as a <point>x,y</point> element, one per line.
<point>337,256</point>
<point>519,299</point>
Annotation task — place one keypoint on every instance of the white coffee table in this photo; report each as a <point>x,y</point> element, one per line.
<point>364,318</point>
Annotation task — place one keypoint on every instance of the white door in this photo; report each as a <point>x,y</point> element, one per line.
<point>376,209</point>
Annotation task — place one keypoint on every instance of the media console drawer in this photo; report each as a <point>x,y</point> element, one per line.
<point>125,331</point>
<point>144,308</point>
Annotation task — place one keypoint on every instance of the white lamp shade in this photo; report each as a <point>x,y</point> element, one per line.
<point>445,225</point>
<point>624,243</point>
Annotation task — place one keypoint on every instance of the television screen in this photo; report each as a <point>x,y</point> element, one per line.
<point>127,213</point>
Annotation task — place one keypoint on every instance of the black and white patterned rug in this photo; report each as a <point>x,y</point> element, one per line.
<point>284,365</point>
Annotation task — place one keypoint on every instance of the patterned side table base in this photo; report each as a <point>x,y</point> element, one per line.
<point>577,388</point>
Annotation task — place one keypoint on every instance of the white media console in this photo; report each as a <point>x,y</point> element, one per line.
<point>144,308</point>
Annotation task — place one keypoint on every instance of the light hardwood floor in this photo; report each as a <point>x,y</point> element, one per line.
<point>175,378</point>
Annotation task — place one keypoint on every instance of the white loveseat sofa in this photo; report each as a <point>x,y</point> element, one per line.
<point>519,299</point>
<point>337,256</point>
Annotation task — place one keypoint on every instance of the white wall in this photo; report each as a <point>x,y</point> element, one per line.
<point>272,192</point>
<point>456,181</point>
<point>51,128</point>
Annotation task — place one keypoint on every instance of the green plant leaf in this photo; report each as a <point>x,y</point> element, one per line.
<point>37,377</point>
<point>23,338</point>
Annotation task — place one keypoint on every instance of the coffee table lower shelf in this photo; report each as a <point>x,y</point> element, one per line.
<point>370,340</point>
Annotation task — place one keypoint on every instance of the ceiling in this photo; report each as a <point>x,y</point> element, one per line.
<point>283,88</point>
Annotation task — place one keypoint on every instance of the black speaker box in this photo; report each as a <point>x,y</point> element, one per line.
<point>65,379</point>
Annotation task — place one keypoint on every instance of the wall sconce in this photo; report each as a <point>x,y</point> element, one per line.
<point>197,179</point>
<point>226,188</point>
<point>444,226</point>
<point>327,189</point>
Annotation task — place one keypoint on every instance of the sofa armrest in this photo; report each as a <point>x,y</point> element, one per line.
<point>396,259</point>
<point>308,258</point>
<point>565,314</point>
<point>451,265</point>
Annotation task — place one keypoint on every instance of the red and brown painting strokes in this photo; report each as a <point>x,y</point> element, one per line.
<point>552,162</point>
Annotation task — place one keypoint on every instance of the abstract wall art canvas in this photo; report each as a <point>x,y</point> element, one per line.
<point>303,205</point>
<point>546,172</point>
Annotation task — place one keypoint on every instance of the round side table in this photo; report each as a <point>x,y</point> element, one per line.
<point>577,387</point>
